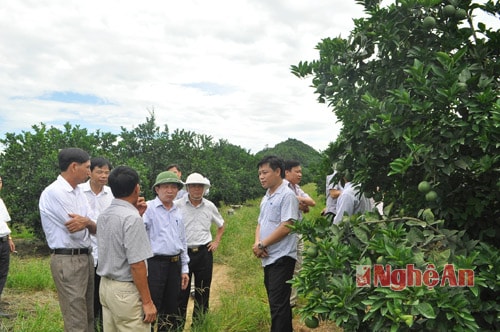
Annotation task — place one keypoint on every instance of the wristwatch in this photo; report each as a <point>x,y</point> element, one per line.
<point>261,246</point>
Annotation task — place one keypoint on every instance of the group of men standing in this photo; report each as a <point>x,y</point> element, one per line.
<point>120,263</point>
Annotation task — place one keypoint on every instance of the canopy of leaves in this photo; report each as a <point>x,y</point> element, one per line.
<point>416,87</point>
<point>419,101</point>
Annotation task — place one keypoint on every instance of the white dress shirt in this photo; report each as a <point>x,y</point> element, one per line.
<point>98,203</point>
<point>57,201</point>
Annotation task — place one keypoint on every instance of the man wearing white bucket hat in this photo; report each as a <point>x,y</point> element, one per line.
<point>198,214</point>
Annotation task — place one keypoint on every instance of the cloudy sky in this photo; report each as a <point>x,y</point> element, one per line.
<point>219,67</point>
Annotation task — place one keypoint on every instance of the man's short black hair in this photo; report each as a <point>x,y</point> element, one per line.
<point>176,166</point>
<point>275,163</point>
<point>289,164</point>
<point>71,155</point>
<point>122,181</point>
<point>99,162</point>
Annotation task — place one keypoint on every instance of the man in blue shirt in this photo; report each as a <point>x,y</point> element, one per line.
<point>274,244</point>
<point>168,268</point>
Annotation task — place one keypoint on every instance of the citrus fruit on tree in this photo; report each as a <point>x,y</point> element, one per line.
<point>312,322</point>
<point>424,187</point>
<point>431,196</point>
<point>312,251</point>
<point>429,22</point>
<point>449,10</point>
<point>461,14</point>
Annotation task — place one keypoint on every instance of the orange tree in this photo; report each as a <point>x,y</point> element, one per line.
<point>416,87</point>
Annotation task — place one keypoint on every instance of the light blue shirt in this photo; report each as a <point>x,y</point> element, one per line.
<point>351,201</point>
<point>279,207</point>
<point>331,203</point>
<point>166,231</point>
<point>57,201</point>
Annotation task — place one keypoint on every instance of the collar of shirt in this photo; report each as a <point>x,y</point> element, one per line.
<point>185,200</point>
<point>157,203</point>
<point>106,190</point>
<point>283,186</point>
<point>65,184</point>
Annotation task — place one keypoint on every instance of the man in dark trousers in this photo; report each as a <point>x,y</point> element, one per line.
<point>168,268</point>
<point>274,244</point>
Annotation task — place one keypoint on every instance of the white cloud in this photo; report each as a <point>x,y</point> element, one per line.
<point>220,68</point>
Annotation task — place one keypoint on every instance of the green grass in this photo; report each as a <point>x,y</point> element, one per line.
<point>30,274</point>
<point>243,302</point>
<point>31,293</point>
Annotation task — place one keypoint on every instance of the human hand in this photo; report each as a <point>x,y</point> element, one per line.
<point>141,205</point>
<point>212,246</point>
<point>184,281</point>
<point>77,223</point>
<point>259,253</point>
<point>303,207</point>
<point>12,245</point>
<point>149,312</point>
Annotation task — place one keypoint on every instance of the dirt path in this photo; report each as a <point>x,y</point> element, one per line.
<point>221,280</point>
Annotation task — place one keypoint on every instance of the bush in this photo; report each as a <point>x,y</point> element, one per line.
<point>332,283</point>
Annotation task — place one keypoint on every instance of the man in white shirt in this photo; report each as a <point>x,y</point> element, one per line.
<point>293,175</point>
<point>199,214</point>
<point>6,247</point>
<point>351,201</point>
<point>67,224</point>
<point>332,193</point>
<point>99,196</point>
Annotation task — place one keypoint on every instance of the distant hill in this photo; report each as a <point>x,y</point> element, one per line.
<point>297,150</point>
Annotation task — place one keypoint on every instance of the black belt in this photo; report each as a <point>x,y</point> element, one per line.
<point>4,239</point>
<point>75,251</point>
<point>171,259</point>
<point>194,250</point>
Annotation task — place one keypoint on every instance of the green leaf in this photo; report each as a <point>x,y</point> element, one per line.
<point>387,209</point>
<point>426,310</point>
<point>416,223</point>
<point>360,234</point>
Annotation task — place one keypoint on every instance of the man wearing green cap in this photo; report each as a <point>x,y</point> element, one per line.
<point>168,268</point>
